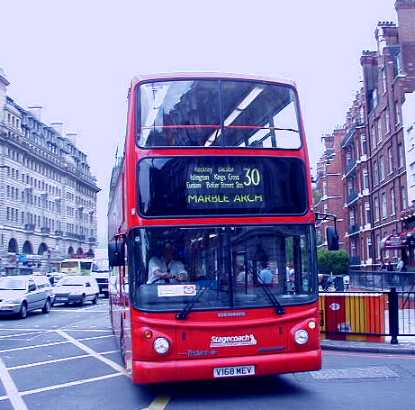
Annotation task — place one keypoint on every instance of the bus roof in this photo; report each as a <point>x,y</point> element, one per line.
<point>206,75</point>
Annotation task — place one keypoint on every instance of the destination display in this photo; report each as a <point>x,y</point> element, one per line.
<point>236,186</point>
<point>207,186</point>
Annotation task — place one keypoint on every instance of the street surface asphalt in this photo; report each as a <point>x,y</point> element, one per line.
<point>69,360</point>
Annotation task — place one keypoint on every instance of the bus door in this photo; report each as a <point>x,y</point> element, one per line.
<point>125,316</point>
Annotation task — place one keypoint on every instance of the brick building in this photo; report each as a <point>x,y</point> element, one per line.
<point>355,170</point>
<point>378,149</point>
<point>327,197</point>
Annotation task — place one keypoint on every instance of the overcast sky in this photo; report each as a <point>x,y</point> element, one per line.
<point>76,58</point>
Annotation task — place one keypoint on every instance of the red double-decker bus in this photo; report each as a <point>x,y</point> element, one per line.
<point>211,232</point>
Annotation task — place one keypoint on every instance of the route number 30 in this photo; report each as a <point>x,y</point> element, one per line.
<point>252,177</point>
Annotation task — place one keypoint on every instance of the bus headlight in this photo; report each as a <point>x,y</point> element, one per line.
<point>301,337</point>
<point>161,345</point>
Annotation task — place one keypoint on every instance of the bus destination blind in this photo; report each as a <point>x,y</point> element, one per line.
<point>225,186</point>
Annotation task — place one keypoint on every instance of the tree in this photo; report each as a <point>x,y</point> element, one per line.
<point>336,262</point>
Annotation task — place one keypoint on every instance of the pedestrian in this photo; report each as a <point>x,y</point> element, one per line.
<point>401,267</point>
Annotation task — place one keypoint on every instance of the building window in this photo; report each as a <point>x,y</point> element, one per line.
<point>397,113</point>
<point>376,204</point>
<point>384,206</point>
<point>375,173</point>
<point>381,169</point>
<point>401,155</point>
<point>383,75</point>
<point>365,179</point>
<point>373,133</point>
<point>390,160</point>
<point>378,245</point>
<point>387,127</point>
<point>363,144</point>
<point>368,213</point>
<point>393,205</point>
<point>352,217</point>
<point>404,197</point>
<point>374,98</point>
<point>369,247</point>
<point>379,125</point>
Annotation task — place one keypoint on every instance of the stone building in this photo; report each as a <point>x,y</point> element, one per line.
<point>47,193</point>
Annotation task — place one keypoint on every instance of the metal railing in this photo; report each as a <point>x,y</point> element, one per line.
<point>351,196</point>
<point>353,229</point>
<point>381,280</point>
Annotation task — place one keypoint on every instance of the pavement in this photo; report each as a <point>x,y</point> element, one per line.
<point>369,347</point>
<point>69,360</point>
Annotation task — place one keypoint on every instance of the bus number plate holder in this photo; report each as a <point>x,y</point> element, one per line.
<point>234,371</point>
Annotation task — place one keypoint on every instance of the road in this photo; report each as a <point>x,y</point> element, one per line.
<point>69,360</point>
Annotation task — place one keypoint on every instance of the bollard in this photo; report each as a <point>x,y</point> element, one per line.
<point>393,315</point>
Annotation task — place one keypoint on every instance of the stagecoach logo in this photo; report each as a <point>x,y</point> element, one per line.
<point>228,341</point>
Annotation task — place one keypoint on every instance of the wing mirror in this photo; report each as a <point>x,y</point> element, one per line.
<point>331,231</point>
<point>116,254</point>
<point>332,238</point>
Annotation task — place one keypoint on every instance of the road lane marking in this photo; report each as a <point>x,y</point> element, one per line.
<point>20,334</point>
<point>92,352</point>
<point>25,366</point>
<point>79,311</point>
<point>11,390</point>
<point>72,328</point>
<point>53,343</point>
<point>63,385</point>
<point>159,403</point>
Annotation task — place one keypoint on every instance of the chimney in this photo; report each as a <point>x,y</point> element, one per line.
<point>57,126</point>
<point>72,137</point>
<point>406,18</point>
<point>36,111</point>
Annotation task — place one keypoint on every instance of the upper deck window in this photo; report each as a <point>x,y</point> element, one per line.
<point>217,113</point>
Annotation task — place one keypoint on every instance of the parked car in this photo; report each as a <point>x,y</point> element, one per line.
<point>42,282</point>
<point>76,289</point>
<point>20,295</point>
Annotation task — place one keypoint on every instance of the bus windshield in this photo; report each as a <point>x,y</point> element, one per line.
<point>230,264</point>
<point>217,113</point>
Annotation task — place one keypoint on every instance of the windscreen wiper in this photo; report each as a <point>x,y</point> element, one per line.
<point>279,309</point>
<point>182,315</point>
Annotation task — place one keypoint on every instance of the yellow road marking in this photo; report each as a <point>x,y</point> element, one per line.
<point>159,403</point>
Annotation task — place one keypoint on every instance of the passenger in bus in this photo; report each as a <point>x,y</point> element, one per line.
<point>166,267</point>
<point>241,275</point>
<point>265,274</point>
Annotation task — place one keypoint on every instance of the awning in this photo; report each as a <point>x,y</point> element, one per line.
<point>395,241</point>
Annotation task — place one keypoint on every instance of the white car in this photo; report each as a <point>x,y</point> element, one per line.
<point>76,289</point>
<point>20,295</point>
<point>43,283</point>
